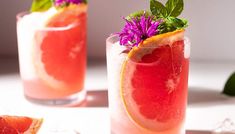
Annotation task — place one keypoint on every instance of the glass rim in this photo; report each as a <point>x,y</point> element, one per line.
<point>113,38</point>
<point>20,15</point>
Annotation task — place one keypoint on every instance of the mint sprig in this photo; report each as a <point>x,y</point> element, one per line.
<point>172,8</point>
<point>168,13</point>
<point>41,5</point>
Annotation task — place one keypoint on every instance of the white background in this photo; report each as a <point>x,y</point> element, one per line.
<point>211,25</point>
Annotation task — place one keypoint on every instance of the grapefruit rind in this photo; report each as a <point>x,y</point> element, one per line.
<point>135,55</point>
<point>35,126</point>
<point>155,41</point>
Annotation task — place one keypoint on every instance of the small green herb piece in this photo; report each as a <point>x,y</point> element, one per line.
<point>172,24</point>
<point>229,88</point>
<point>138,14</point>
<point>41,5</point>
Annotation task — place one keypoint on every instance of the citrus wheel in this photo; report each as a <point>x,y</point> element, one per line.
<point>60,51</point>
<point>152,82</point>
<point>19,124</point>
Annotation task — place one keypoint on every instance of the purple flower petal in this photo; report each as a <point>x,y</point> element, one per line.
<point>138,29</point>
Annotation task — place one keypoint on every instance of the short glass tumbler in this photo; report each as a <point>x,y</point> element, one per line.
<point>52,60</point>
<point>148,87</point>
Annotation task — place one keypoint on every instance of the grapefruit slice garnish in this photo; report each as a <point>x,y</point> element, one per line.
<point>60,55</point>
<point>68,15</point>
<point>19,125</point>
<point>150,82</point>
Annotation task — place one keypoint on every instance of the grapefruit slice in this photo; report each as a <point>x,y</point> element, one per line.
<point>19,125</point>
<point>152,93</point>
<point>5,128</point>
<point>60,54</point>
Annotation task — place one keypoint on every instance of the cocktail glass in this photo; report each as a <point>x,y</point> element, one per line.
<point>53,60</point>
<point>148,86</point>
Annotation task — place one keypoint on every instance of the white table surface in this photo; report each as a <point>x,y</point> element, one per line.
<point>206,109</point>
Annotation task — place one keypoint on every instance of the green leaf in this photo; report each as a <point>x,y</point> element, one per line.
<point>174,7</point>
<point>178,23</point>
<point>41,5</point>
<point>229,88</point>
<point>171,24</point>
<point>158,9</point>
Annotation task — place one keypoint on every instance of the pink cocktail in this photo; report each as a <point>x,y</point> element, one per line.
<point>52,54</point>
<point>148,85</point>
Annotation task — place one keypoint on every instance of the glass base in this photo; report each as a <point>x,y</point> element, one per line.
<point>72,100</point>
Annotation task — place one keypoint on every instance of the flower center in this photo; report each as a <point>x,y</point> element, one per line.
<point>144,36</point>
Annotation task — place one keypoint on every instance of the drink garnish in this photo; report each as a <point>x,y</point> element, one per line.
<point>44,5</point>
<point>159,20</point>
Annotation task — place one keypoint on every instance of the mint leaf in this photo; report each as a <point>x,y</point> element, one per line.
<point>158,9</point>
<point>174,7</point>
<point>229,88</point>
<point>171,24</point>
<point>177,23</point>
<point>41,5</point>
<point>165,27</point>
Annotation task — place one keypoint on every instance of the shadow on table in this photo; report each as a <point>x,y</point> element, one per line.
<point>9,66</point>
<point>207,97</point>
<point>197,132</point>
<point>96,99</point>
